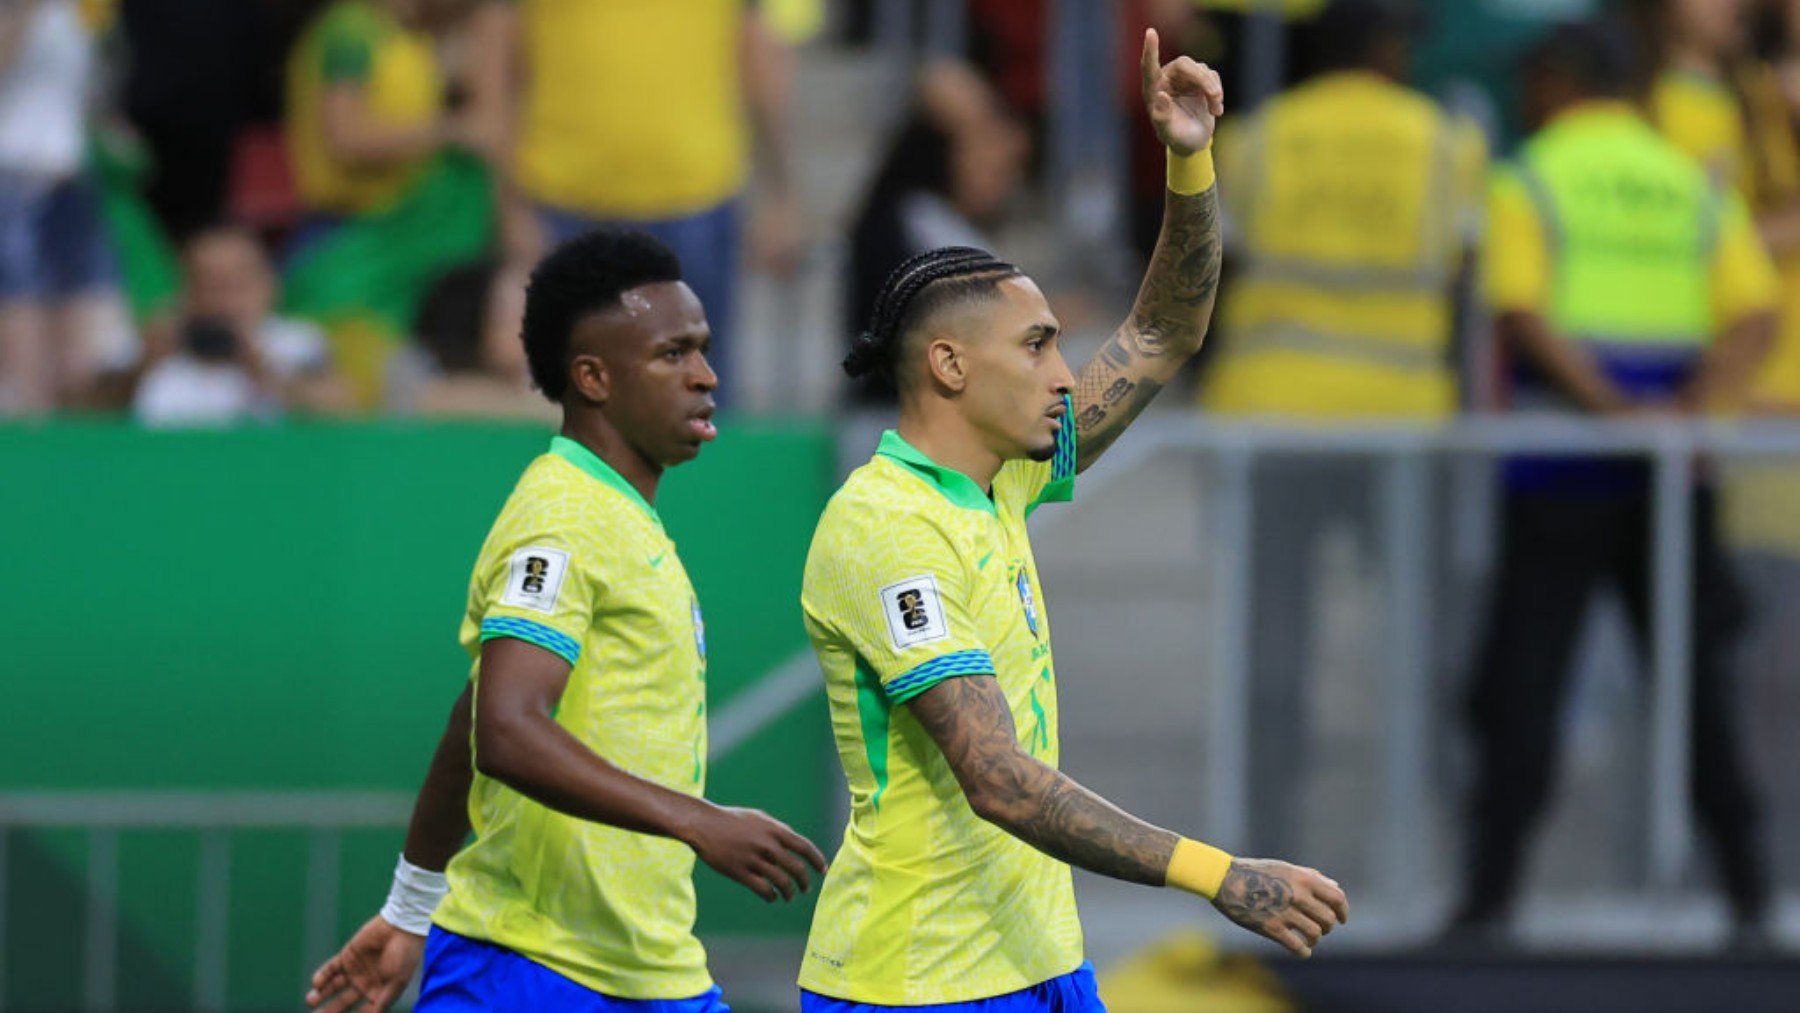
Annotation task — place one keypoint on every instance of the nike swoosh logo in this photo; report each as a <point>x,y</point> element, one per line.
<point>656,560</point>
<point>982,565</point>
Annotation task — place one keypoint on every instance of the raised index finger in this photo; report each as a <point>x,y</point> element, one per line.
<point>1151,62</point>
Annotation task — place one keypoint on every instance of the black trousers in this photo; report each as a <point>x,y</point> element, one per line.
<point>1557,552</point>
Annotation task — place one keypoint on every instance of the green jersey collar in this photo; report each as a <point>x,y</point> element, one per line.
<point>590,462</point>
<point>955,486</point>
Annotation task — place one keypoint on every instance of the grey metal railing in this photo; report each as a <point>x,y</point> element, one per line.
<point>323,815</point>
<point>213,816</point>
<point>1403,455</point>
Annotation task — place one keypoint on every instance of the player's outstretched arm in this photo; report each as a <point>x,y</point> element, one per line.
<point>1168,322</point>
<point>519,744</point>
<point>378,962</point>
<point>969,719</point>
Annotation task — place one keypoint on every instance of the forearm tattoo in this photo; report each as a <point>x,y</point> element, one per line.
<point>969,720</point>
<point>1167,324</point>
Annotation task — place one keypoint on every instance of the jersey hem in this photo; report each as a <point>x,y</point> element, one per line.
<point>912,999</point>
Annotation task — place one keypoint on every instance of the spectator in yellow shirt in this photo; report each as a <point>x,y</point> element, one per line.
<point>1728,108</point>
<point>366,107</point>
<point>606,130</point>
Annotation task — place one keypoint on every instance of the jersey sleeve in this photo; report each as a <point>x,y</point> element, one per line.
<point>541,582</point>
<point>901,601</point>
<point>1744,282</point>
<point>1035,483</point>
<point>1516,263</point>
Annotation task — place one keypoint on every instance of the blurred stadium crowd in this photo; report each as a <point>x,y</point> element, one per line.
<point>218,210</point>
<point>214,211</point>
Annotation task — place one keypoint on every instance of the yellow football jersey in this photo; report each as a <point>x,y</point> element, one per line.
<point>916,576</point>
<point>578,564</point>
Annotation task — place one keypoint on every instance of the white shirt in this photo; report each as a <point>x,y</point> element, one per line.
<point>43,97</point>
<point>183,390</point>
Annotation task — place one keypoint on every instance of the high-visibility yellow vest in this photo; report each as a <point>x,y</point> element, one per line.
<point>1352,199</point>
<point>1632,226</point>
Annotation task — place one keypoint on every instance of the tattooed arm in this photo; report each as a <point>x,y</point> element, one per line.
<point>970,721</point>
<point>1168,321</point>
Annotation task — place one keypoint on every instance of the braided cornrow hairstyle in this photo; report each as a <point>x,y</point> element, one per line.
<point>912,291</point>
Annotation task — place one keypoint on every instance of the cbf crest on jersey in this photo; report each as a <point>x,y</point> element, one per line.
<point>699,630</point>
<point>1028,601</point>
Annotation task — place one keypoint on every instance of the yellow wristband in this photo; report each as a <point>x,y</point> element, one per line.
<point>1191,174</point>
<point>1197,868</point>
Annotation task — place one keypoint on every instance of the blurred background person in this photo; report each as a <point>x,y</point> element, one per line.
<point>647,115</point>
<point>366,109</point>
<point>195,73</point>
<point>58,277</point>
<point>466,360</point>
<point>391,196</point>
<point>1352,202</point>
<point>1693,45</point>
<point>1767,78</point>
<point>1718,95</point>
<point>1652,298</point>
<point>234,359</point>
<point>951,169</point>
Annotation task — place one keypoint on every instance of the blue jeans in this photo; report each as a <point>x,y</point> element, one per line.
<point>1075,992</point>
<point>708,245</point>
<point>52,242</point>
<point>464,975</point>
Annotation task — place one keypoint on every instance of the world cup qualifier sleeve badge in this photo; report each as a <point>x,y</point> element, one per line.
<point>1025,599</point>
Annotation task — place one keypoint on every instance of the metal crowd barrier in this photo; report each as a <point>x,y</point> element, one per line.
<point>213,816</point>
<point>1404,457</point>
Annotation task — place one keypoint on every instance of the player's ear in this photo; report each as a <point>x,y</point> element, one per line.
<point>589,377</point>
<point>948,365</point>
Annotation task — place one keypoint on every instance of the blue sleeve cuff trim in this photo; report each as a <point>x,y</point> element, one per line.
<point>929,674</point>
<point>560,644</point>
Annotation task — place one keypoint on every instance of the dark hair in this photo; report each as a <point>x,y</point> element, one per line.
<point>582,276</point>
<point>1349,34</point>
<point>453,318</point>
<point>915,290</point>
<point>1600,56</point>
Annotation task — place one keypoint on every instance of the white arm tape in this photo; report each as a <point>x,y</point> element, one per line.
<point>413,897</point>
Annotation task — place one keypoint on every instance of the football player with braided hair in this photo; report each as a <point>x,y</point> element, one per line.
<point>953,888</point>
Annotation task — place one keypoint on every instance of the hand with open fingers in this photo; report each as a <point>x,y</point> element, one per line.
<point>757,850</point>
<point>1294,906</point>
<point>370,972</point>
<point>1185,99</point>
